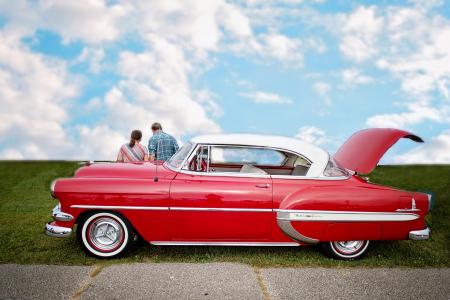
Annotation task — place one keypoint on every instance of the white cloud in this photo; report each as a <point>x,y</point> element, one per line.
<point>99,142</point>
<point>35,95</point>
<point>437,150</point>
<point>93,56</point>
<point>281,47</point>
<point>426,67</point>
<point>235,21</point>
<point>353,77</point>
<point>92,21</point>
<point>416,114</point>
<point>360,31</point>
<point>323,89</point>
<point>11,153</point>
<point>409,42</point>
<point>272,46</point>
<point>266,98</point>
<point>93,104</point>
<point>312,135</point>
<point>164,94</point>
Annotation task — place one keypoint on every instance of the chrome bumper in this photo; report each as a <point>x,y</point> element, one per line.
<point>418,235</point>
<point>58,215</point>
<point>57,231</point>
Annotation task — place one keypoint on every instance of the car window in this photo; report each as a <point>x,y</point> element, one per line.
<point>246,155</point>
<point>177,159</point>
<point>198,162</point>
<point>334,170</point>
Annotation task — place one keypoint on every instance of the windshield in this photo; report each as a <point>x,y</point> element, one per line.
<point>177,159</point>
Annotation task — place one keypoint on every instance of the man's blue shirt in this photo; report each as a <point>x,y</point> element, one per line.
<point>162,146</point>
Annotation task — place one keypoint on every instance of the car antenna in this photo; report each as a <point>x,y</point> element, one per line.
<point>155,179</point>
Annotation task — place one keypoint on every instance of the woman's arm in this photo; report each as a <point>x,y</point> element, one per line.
<point>120,156</point>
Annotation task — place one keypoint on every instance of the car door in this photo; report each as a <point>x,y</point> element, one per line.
<point>210,205</point>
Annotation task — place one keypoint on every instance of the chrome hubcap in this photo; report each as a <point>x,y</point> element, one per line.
<point>348,247</point>
<point>105,233</point>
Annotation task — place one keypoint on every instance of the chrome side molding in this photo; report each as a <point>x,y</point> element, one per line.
<point>121,207</point>
<point>287,228</point>
<point>221,209</point>
<point>343,216</point>
<point>247,244</point>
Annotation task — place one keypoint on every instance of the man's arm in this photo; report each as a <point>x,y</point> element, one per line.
<point>151,149</point>
<point>175,145</point>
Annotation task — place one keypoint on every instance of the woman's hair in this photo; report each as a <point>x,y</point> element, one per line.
<point>136,135</point>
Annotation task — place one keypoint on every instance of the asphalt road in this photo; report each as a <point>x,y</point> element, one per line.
<point>219,281</point>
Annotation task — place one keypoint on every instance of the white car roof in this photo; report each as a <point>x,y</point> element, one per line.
<point>316,155</point>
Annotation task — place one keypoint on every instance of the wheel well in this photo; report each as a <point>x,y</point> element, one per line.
<point>85,214</point>
<point>88,213</point>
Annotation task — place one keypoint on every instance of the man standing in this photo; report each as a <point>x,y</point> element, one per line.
<point>161,145</point>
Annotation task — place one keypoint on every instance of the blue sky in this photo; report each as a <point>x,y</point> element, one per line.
<point>77,76</point>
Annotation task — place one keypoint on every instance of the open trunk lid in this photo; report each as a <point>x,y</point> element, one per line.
<point>364,149</point>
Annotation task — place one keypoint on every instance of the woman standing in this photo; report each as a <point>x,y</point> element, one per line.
<point>133,151</point>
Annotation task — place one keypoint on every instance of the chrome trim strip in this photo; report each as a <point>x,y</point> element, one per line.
<point>310,177</point>
<point>226,174</point>
<point>419,235</point>
<point>407,209</point>
<point>287,228</point>
<point>343,216</point>
<point>57,231</point>
<point>121,207</point>
<point>221,209</point>
<point>251,244</point>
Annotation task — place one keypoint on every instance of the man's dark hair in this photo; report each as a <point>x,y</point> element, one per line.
<point>156,126</point>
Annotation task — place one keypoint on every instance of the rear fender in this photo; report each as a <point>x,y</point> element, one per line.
<point>360,212</point>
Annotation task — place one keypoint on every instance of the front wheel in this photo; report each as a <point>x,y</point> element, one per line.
<point>105,234</point>
<point>346,250</point>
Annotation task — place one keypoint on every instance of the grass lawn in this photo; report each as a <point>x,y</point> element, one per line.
<point>25,206</point>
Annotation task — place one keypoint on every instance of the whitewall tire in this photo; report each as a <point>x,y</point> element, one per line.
<point>346,250</point>
<point>105,234</point>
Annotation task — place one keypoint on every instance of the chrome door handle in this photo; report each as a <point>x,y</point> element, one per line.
<point>263,185</point>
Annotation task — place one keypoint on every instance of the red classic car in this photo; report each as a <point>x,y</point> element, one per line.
<point>242,190</point>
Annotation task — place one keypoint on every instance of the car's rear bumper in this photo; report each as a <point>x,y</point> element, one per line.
<point>418,235</point>
<point>57,231</point>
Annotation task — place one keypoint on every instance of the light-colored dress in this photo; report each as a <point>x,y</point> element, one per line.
<point>130,154</point>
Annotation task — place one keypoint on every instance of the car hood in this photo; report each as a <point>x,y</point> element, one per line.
<point>364,149</point>
<point>124,170</point>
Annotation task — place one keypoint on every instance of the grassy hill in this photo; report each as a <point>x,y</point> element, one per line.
<point>25,206</point>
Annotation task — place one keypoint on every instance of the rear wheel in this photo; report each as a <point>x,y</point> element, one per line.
<point>346,250</point>
<point>105,234</point>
